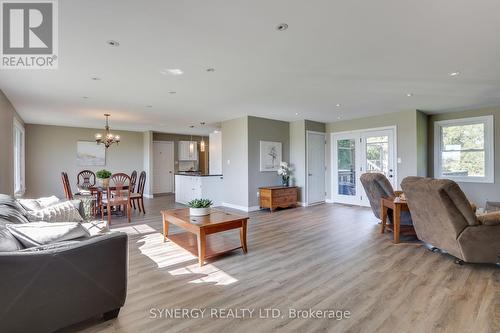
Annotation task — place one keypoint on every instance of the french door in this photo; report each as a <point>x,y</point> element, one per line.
<point>355,153</point>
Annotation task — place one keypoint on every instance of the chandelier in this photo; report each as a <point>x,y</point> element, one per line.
<point>108,138</point>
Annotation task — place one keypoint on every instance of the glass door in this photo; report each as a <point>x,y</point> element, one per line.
<point>377,156</point>
<point>357,153</point>
<point>345,166</point>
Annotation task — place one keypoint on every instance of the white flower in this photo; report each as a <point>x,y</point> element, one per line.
<point>283,164</point>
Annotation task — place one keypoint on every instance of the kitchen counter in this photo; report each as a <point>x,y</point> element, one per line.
<point>192,185</point>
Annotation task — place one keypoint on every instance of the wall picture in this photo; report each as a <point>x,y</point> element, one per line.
<point>88,153</point>
<point>270,155</point>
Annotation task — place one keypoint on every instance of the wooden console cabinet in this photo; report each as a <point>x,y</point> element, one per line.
<point>278,197</point>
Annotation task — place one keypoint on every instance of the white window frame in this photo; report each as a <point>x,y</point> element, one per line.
<point>19,174</point>
<point>489,149</point>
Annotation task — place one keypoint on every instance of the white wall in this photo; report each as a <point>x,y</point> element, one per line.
<point>215,153</point>
<point>7,115</point>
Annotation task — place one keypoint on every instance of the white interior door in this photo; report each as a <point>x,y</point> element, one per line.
<point>163,166</point>
<point>356,153</point>
<point>315,167</point>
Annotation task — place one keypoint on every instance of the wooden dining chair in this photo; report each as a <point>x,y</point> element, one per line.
<point>85,179</point>
<point>133,181</point>
<point>67,186</point>
<point>139,195</point>
<point>118,195</point>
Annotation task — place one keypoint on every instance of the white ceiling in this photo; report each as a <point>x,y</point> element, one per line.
<point>365,55</point>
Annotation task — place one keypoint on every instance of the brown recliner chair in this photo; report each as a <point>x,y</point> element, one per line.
<point>443,217</point>
<point>377,186</point>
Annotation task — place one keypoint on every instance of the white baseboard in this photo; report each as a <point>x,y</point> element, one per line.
<point>242,208</point>
<point>149,196</point>
<point>328,200</point>
<point>301,204</point>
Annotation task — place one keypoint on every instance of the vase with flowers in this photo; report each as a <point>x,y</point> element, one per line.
<point>285,172</point>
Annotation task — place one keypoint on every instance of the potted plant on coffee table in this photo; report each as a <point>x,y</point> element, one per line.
<point>199,207</point>
<point>103,177</point>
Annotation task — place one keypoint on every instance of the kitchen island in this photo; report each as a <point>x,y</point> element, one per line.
<point>193,185</point>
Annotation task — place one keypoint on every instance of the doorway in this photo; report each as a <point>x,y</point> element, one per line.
<point>357,152</point>
<point>316,167</point>
<point>163,167</point>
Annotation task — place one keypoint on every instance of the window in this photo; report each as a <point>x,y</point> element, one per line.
<point>19,185</point>
<point>464,149</point>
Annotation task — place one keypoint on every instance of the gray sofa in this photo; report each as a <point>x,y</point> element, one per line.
<point>443,217</point>
<point>49,287</point>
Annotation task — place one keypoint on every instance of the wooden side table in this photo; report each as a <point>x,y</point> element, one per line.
<point>397,205</point>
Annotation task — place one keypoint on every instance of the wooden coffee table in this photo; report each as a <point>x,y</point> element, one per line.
<point>197,229</point>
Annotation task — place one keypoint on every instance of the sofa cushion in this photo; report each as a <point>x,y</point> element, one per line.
<point>12,215</point>
<point>41,233</point>
<point>9,201</point>
<point>60,212</point>
<point>8,242</point>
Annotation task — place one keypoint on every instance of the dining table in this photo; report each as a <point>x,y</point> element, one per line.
<point>95,193</point>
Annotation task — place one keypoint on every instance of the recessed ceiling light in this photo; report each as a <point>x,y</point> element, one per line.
<point>339,117</point>
<point>172,92</point>
<point>296,113</point>
<point>409,94</point>
<point>95,78</point>
<point>172,71</point>
<point>113,43</point>
<point>452,74</point>
<point>210,70</point>
<point>338,105</point>
<point>282,27</point>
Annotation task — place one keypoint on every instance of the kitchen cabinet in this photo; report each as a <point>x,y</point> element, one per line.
<point>189,187</point>
<point>188,151</point>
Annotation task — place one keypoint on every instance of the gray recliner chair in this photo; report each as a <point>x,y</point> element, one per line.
<point>444,218</point>
<point>377,186</point>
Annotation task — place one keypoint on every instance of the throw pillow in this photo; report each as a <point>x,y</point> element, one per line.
<point>48,201</point>
<point>61,212</point>
<point>30,204</point>
<point>42,233</point>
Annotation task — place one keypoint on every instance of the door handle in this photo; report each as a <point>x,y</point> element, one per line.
<point>310,174</point>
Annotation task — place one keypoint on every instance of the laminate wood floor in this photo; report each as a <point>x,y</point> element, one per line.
<point>326,257</point>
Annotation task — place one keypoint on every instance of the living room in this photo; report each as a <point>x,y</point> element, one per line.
<point>249,166</point>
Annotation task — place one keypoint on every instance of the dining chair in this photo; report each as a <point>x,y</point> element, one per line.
<point>139,195</point>
<point>85,179</point>
<point>118,195</point>
<point>67,186</point>
<point>133,181</point>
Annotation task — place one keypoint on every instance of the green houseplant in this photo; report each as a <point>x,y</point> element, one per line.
<point>103,176</point>
<point>199,207</point>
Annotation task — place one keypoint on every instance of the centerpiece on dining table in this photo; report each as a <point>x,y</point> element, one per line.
<point>103,177</point>
<point>199,207</point>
